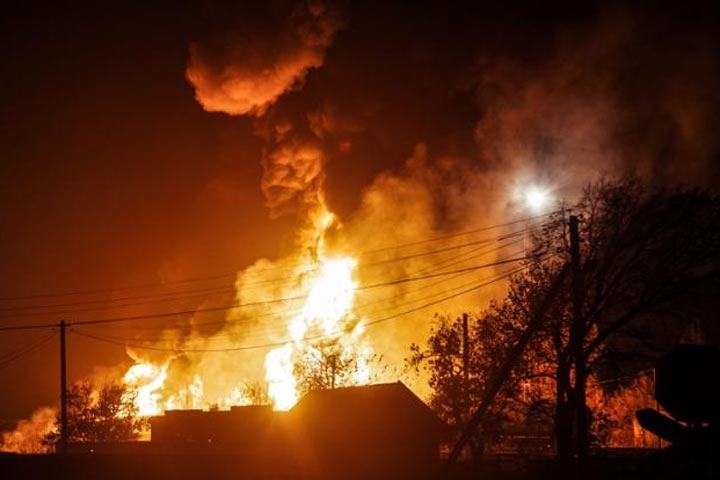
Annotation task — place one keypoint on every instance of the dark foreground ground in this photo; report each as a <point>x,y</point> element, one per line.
<point>612,465</point>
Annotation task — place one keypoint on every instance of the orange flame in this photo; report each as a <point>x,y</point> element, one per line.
<point>327,283</point>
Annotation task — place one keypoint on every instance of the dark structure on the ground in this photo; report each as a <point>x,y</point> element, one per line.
<point>363,430</point>
<point>686,388</point>
<point>219,431</point>
<point>377,431</point>
<point>683,386</point>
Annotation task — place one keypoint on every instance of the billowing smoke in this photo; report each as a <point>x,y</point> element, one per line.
<point>240,73</point>
<point>564,118</point>
<point>608,101</point>
<point>244,73</point>
<point>411,134</point>
<point>293,171</point>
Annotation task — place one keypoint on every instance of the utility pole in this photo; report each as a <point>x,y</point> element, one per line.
<point>63,392</point>
<point>577,335</point>
<point>466,362</point>
<point>500,374</point>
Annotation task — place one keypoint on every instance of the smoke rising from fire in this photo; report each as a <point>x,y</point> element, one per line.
<point>293,172</point>
<point>562,119</point>
<point>410,133</point>
<point>244,74</point>
<point>240,73</point>
<point>606,102</point>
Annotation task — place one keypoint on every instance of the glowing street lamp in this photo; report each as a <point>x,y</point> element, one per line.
<point>536,198</point>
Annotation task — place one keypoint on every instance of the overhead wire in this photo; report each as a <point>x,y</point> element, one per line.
<point>263,302</point>
<point>279,344</point>
<point>359,311</point>
<point>17,311</point>
<point>26,351</point>
<point>234,273</point>
<point>359,306</point>
<point>459,234</point>
<point>17,345</point>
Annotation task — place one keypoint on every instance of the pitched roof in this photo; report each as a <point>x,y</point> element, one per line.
<point>386,403</point>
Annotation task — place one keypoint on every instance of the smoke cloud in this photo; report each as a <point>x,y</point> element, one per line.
<point>569,115</point>
<point>606,102</point>
<point>242,74</point>
<point>245,74</point>
<point>414,132</point>
<point>293,172</point>
<point>28,435</point>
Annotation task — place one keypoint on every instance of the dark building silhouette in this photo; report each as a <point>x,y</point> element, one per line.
<point>218,431</point>
<point>375,431</point>
<point>691,396</point>
<point>366,431</point>
<point>340,433</point>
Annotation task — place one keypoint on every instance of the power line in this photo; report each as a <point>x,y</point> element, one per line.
<point>165,297</point>
<point>298,310</point>
<point>454,235</point>
<point>279,344</point>
<point>39,326</point>
<point>234,273</point>
<point>358,309</point>
<point>446,249</point>
<point>19,345</point>
<point>262,302</point>
<point>472,254</point>
<point>430,304</point>
<point>360,306</point>
<point>26,351</point>
<point>299,297</point>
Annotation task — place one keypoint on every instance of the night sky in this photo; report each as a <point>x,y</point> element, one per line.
<point>114,175</point>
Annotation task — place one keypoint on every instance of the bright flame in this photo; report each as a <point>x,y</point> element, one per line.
<point>325,327</point>
<point>191,396</point>
<point>282,387</point>
<point>145,380</point>
<point>148,384</point>
<point>329,300</point>
<point>327,316</point>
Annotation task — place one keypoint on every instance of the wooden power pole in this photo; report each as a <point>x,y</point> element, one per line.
<point>466,362</point>
<point>577,334</point>
<point>63,392</point>
<point>501,374</point>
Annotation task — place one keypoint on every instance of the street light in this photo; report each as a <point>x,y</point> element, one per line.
<point>536,198</point>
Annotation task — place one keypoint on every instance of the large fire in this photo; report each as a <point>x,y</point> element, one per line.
<point>324,330</point>
<point>327,314</point>
<point>144,380</point>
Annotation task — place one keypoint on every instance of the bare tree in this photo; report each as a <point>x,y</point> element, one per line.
<point>256,393</point>
<point>644,256</point>
<point>325,366</point>
<point>453,398</point>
